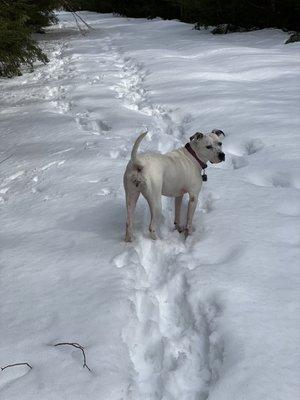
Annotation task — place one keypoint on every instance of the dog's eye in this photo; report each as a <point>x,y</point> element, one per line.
<point>209,147</point>
<point>219,143</point>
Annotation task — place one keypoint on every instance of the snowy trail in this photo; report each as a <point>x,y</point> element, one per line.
<point>214,317</point>
<point>166,339</point>
<point>178,341</point>
<point>174,344</point>
<point>168,130</point>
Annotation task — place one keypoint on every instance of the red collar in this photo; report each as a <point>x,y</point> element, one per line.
<point>191,151</point>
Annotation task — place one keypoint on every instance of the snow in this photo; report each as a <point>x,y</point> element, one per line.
<point>214,317</point>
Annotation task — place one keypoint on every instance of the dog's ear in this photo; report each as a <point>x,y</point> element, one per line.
<point>218,132</point>
<point>197,136</point>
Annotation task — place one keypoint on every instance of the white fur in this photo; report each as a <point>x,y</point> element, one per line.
<point>172,174</point>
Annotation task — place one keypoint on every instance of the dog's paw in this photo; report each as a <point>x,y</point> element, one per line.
<point>178,228</point>
<point>129,238</point>
<point>153,234</point>
<point>187,232</point>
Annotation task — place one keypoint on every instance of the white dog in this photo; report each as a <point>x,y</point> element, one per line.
<point>172,174</point>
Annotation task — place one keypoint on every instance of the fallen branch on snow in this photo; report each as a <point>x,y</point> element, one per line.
<point>77,346</point>
<point>15,365</point>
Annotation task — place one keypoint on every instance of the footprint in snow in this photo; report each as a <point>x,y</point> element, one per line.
<point>63,106</point>
<point>208,200</point>
<point>253,146</point>
<point>96,79</point>
<point>210,313</point>
<point>238,162</point>
<point>239,153</point>
<point>89,124</point>
<point>279,180</point>
<point>126,257</point>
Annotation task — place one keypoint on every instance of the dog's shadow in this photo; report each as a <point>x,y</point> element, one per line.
<point>104,220</point>
<point>107,220</point>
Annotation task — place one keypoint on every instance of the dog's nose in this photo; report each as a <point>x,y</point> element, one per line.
<point>222,156</point>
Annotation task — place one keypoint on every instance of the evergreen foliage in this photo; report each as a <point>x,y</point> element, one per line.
<point>18,20</point>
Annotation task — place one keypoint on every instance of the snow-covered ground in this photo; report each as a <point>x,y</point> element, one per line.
<point>214,317</point>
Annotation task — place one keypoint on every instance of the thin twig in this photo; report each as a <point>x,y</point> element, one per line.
<point>15,365</point>
<point>78,346</point>
<point>82,20</point>
<point>5,159</point>
<point>68,5</point>
<point>78,25</point>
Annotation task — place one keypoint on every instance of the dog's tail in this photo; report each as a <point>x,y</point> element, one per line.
<point>136,146</point>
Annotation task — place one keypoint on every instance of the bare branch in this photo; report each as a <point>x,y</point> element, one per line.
<point>82,31</point>
<point>75,14</point>
<point>77,346</point>
<point>15,365</point>
<point>82,20</point>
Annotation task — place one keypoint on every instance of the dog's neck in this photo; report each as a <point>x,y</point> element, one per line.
<point>192,152</point>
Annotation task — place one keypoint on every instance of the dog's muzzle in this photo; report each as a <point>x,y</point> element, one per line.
<point>221,156</point>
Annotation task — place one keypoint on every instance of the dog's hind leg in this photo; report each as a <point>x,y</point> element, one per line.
<point>132,195</point>
<point>154,200</point>
<point>155,211</point>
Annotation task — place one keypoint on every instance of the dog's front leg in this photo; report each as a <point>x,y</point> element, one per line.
<point>178,203</point>
<point>190,214</point>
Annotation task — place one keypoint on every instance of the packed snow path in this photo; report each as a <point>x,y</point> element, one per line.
<point>214,317</point>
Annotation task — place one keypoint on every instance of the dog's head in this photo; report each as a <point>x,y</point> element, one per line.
<point>208,147</point>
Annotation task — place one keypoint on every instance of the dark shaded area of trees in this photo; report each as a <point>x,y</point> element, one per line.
<point>245,13</point>
<point>167,9</point>
<point>20,18</point>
